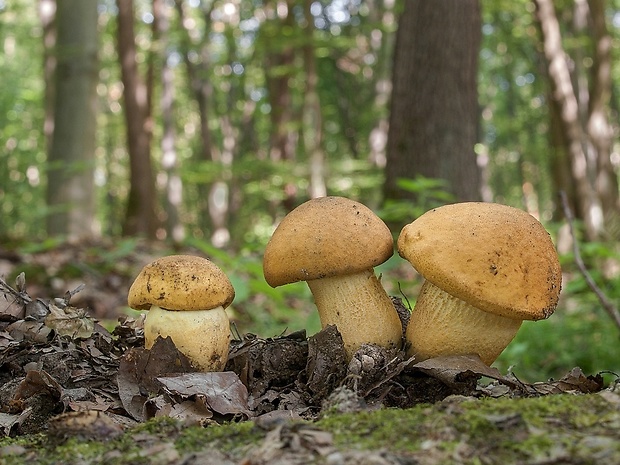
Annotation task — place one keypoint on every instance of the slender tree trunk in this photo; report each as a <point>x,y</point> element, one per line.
<point>47,13</point>
<point>71,161</point>
<point>279,64</point>
<point>173,184</point>
<point>202,89</point>
<point>312,119</point>
<point>434,108</point>
<point>383,13</point>
<point>140,217</point>
<point>587,139</point>
<point>598,125</point>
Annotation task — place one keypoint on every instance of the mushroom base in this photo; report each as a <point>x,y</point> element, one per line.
<point>441,324</point>
<point>360,308</point>
<point>203,336</point>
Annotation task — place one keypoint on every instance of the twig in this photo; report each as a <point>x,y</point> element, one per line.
<point>608,306</point>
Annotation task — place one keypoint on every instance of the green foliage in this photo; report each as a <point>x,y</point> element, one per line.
<point>429,193</point>
<point>583,337</point>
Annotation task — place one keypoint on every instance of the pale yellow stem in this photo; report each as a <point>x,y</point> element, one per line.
<point>360,308</point>
<point>441,324</point>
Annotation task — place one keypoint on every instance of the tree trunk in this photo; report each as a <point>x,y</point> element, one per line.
<point>71,161</point>
<point>598,125</point>
<point>312,121</point>
<point>583,122</point>
<point>169,161</point>
<point>140,217</point>
<point>47,13</point>
<point>434,107</point>
<point>279,65</point>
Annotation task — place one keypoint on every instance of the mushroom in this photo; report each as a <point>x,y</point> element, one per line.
<point>333,243</point>
<point>186,296</point>
<point>487,267</point>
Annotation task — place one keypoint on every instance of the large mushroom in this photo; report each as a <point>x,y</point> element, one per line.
<point>487,267</point>
<point>186,296</point>
<point>333,243</point>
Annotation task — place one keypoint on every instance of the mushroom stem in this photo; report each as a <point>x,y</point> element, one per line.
<point>359,307</point>
<point>442,324</point>
<point>203,336</point>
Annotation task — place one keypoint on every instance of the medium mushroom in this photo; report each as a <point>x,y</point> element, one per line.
<point>487,267</point>
<point>333,243</point>
<point>186,296</point>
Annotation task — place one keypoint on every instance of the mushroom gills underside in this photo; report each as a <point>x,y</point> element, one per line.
<point>442,324</point>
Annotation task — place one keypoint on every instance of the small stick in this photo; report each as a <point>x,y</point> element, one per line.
<point>608,306</point>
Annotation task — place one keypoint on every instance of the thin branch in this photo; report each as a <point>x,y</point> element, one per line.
<point>608,306</point>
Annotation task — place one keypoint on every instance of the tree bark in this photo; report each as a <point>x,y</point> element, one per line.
<point>312,119</point>
<point>587,144</point>
<point>169,161</point>
<point>279,64</point>
<point>71,160</point>
<point>140,216</point>
<point>598,125</point>
<point>434,108</point>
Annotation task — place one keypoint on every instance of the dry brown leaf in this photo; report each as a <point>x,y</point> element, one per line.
<point>70,321</point>
<point>223,392</point>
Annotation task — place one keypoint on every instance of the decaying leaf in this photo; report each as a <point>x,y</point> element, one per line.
<point>574,381</point>
<point>294,443</point>
<point>37,383</point>
<point>30,330</point>
<point>223,392</point>
<point>9,421</point>
<point>453,369</point>
<point>139,369</point>
<point>327,362</point>
<point>89,424</point>
<point>69,321</point>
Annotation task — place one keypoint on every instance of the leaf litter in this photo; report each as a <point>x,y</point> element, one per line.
<point>64,374</point>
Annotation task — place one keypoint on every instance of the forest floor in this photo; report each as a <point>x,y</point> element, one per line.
<point>73,392</point>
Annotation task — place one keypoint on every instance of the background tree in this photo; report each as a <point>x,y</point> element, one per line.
<point>71,160</point>
<point>434,108</point>
<point>140,217</point>
<point>579,103</point>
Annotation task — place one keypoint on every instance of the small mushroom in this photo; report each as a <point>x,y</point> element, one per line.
<point>487,267</point>
<point>186,296</point>
<point>333,243</point>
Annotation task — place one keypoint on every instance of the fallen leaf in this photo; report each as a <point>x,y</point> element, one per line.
<point>8,420</point>
<point>90,424</point>
<point>36,383</point>
<point>29,330</point>
<point>223,391</point>
<point>454,369</point>
<point>138,371</point>
<point>69,321</point>
<point>574,381</point>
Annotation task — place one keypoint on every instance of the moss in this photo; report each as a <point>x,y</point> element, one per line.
<point>228,438</point>
<point>572,429</point>
<point>505,429</point>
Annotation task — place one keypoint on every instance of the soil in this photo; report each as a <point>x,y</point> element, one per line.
<point>73,392</point>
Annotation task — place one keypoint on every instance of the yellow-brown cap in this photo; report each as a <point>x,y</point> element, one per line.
<point>325,237</point>
<point>181,282</point>
<point>497,258</point>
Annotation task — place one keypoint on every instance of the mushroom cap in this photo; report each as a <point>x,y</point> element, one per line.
<point>497,258</point>
<point>181,282</point>
<point>325,237</point>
